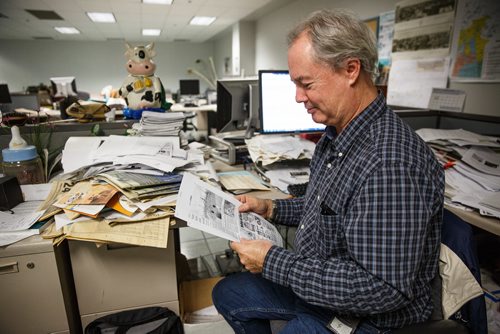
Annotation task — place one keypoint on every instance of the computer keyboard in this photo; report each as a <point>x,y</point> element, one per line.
<point>297,190</point>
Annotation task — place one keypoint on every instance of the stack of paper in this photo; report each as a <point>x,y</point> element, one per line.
<point>89,156</point>
<point>123,190</point>
<point>160,124</point>
<point>140,186</point>
<point>18,224</point>
<point>270,149</point>
<point>240,182</point>
<point>472,167</point>
<point>100,212</point>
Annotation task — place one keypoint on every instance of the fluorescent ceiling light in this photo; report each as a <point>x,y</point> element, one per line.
<point>202,20</point>
<point>101,17</point>
<point>158,2</point>
<point>67,30</point>
<point>151,32</point>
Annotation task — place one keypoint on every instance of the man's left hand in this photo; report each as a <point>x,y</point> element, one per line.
<point>252,253</point>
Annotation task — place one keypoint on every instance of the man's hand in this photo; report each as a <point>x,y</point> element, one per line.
<point>263,207</point>
<point>252,253</point>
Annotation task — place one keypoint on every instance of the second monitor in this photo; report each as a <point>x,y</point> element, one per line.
<point>279,112</point>
<point>237,105</point>
<point>63,86</point>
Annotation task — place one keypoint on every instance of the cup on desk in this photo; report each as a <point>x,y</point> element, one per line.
<point>110,115</point>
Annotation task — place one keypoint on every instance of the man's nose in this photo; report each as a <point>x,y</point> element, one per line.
<point>300,96</point>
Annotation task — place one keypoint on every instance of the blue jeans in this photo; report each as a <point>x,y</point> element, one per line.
<point>248,301</point>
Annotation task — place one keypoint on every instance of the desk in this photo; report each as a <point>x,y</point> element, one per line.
<point>32,298</point>
<point>116,277</point>
<point>489,224</point>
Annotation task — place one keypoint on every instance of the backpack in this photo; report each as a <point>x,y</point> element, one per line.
<point>153,320</point>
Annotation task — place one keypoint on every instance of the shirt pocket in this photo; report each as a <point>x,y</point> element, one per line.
<point>330,234</point>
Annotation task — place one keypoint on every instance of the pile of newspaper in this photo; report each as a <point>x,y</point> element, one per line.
<point>271,149</point>
<point>118,189</point>
<point>472,167</point>
<point>160,124</point>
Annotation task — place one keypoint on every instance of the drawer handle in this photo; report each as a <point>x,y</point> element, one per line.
<point>9,268</point>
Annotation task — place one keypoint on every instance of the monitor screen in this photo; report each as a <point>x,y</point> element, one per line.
<point>189,87</point>
<point>279,113</point>
<point>63,86</point>
<point>4,94</point>
<point>237,105</point>
<point>26,101</point>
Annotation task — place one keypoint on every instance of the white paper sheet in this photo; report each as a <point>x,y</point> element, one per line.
<point>7,238</point>
<point>35,192</point>
<point>18,222</point>
<point>411,80</point>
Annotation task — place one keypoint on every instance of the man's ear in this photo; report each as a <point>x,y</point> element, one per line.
<point>353,69</point>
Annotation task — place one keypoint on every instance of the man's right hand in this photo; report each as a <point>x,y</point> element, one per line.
<point>263,207</point>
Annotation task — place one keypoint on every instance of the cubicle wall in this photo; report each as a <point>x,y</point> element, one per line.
<point>485,125</point>
<point>62,131</point>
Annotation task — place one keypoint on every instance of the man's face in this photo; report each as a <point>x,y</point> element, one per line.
<point>324,92</point>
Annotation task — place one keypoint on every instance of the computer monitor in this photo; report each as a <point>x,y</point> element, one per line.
<point>4,94</point>
<point>279,112</point>
<point>189,87</point>
<point>237,105</point>
<point>26,101</point>
<point>63,86</point>
<point>5,100</point>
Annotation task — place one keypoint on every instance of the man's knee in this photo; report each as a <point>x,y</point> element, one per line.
<point>218,292</point>
<point>232,290</point>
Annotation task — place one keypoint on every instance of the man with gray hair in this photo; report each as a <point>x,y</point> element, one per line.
<point>368,228</point>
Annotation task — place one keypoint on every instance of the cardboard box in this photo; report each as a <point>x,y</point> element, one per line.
<point>196,295</point>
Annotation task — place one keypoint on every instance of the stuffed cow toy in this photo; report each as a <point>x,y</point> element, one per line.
<point>142,89</point>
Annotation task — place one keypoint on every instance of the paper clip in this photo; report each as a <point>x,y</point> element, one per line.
<point>449,164</point>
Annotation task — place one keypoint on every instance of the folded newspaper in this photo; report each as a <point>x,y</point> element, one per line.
<point>211,210</point>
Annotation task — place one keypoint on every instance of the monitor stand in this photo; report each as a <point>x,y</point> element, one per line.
<point>236,137</point>
<point>229,147</point>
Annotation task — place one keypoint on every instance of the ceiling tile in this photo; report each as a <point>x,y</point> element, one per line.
<point>131,15</point>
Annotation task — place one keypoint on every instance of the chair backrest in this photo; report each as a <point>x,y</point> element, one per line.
<point>457,236</point>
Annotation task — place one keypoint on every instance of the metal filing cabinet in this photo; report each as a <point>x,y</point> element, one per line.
<point>113,278</point>
<point>31,298</point>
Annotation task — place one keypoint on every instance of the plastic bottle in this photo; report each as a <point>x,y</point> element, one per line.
<point>22,161</point>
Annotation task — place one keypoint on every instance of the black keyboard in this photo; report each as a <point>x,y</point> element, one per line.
<point>297,190</point>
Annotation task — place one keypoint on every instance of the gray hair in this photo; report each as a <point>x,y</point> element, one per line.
<point>337,35</point>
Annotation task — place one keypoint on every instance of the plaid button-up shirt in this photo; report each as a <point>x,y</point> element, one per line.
<point>368,228</point>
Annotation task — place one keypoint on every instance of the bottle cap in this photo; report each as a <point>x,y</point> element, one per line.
<point>17,141</point>
<point>21,154</point>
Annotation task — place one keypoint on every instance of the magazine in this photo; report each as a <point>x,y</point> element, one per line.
<point>211,210</point>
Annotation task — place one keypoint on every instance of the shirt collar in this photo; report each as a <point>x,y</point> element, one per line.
<point>358,125</point>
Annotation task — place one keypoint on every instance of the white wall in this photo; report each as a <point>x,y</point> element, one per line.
<point>247,44</point>
<point>272,29</point>
<point>97,64</point>
<point>94,64</point>
<point>223,50</point>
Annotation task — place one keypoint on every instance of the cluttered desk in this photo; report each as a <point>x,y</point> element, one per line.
<point>125,163</point>
<point>117,195</point>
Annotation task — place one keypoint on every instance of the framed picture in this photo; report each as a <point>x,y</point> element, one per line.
<point>372,23</point>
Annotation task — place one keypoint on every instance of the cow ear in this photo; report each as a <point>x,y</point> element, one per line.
<point>150,49</point>
<point>130,50</point>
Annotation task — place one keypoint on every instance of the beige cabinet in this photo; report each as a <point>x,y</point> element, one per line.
<point>112,278</point>
<point>31,298</point>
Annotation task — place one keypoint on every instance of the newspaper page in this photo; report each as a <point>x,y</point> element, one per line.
<point>209,209</point>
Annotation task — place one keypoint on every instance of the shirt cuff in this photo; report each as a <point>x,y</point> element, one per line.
<point>277,265</point>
